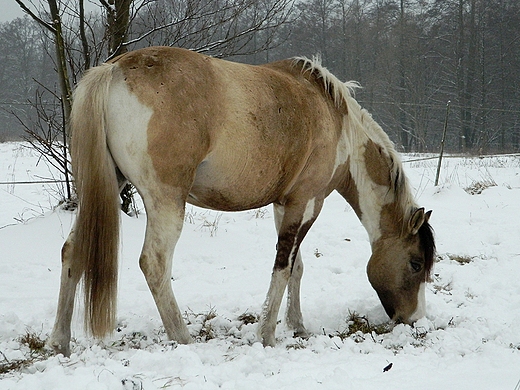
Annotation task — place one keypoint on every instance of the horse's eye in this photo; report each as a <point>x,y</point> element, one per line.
<point>416,265</point>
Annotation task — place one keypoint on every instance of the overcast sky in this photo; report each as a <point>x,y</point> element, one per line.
<point>9,10</point>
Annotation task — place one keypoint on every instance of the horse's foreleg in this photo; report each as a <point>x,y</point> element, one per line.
<point>292,225</point>
<point>70,274</point>
<point>293,315</point>
<point>162,233</point>
<point>267,325</point>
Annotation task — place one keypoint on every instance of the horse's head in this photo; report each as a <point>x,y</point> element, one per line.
<point>400,265</point>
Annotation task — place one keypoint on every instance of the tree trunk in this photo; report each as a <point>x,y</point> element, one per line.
<point>467,119</point>
<point>118,19</point>
<point>403,132</point>
<point>63,77</point>
<point>460,73</point>
<point>83,35</point>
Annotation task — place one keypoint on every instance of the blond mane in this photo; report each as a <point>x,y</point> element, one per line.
<point>339,91</point>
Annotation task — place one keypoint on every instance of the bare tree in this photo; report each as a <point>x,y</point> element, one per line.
<point>55,27</point>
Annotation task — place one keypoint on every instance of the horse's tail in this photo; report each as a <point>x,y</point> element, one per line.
<point>96,238</point>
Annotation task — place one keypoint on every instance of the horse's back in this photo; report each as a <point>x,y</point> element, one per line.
<point>237,136</point>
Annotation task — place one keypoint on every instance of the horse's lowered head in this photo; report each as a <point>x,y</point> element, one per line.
<point>403,246</point>
<point>377,188</point>
<point>400,266</point>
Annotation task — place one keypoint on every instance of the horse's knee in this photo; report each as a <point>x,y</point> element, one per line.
<point>154,269</point>
<point>146,266</point>
<point>71,268</point>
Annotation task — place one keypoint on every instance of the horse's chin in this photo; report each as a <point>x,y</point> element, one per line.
<point>420,310</point>
<point>401,315</point>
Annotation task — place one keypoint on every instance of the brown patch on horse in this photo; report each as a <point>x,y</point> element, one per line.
<point>286,244</point>
<point>378,164</point>
<point>347,187</point>
<point>392,220</point>
<point>170,86</point>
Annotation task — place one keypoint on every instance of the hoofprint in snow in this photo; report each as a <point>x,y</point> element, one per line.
<point>470,338</point>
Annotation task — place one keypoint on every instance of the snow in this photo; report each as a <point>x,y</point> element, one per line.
<point>470,338</point>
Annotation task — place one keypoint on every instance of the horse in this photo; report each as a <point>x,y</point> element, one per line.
<point>185,127</point>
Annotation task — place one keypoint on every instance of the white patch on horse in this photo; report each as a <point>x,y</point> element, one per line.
<point>420,311</point>
<point>371,196</point>
<point>308,214</point>
<point>342,151</point>
<point>360,128</point>
<point>127,124</point>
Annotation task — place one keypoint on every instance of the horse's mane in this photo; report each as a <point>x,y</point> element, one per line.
<point>428,246</point>
<point>337,90</point>
<point>342,93</point>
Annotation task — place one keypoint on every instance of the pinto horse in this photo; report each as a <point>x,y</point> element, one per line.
<point>184,127</point>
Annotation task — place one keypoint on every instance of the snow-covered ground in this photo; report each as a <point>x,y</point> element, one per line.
<point>470,338</point>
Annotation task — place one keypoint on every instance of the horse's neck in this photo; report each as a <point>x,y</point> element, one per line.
<point>368,184</point>
<point>371,198</point>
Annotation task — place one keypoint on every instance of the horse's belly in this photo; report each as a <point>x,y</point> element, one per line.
<point>234,188</point>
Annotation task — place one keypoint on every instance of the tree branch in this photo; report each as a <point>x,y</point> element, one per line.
<point>35,17</point>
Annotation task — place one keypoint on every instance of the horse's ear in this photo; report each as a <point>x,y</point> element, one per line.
<point>418,218</point>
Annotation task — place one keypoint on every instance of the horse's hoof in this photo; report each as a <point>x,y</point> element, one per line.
<point>302,333</point>
<point>268,340</point>
<point>268,343</point>
<point>58,348</point>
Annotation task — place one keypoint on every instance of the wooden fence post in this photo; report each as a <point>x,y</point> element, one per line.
<point>442,143</point>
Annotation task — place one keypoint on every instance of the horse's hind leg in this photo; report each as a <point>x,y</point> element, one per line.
<point>71,272</point>
<point>163,228</point>
<point>293,314</point>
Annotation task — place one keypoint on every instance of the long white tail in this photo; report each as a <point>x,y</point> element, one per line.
<point>97,224</point>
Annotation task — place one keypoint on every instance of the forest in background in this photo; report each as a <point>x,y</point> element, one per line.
<point>411,57</point>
